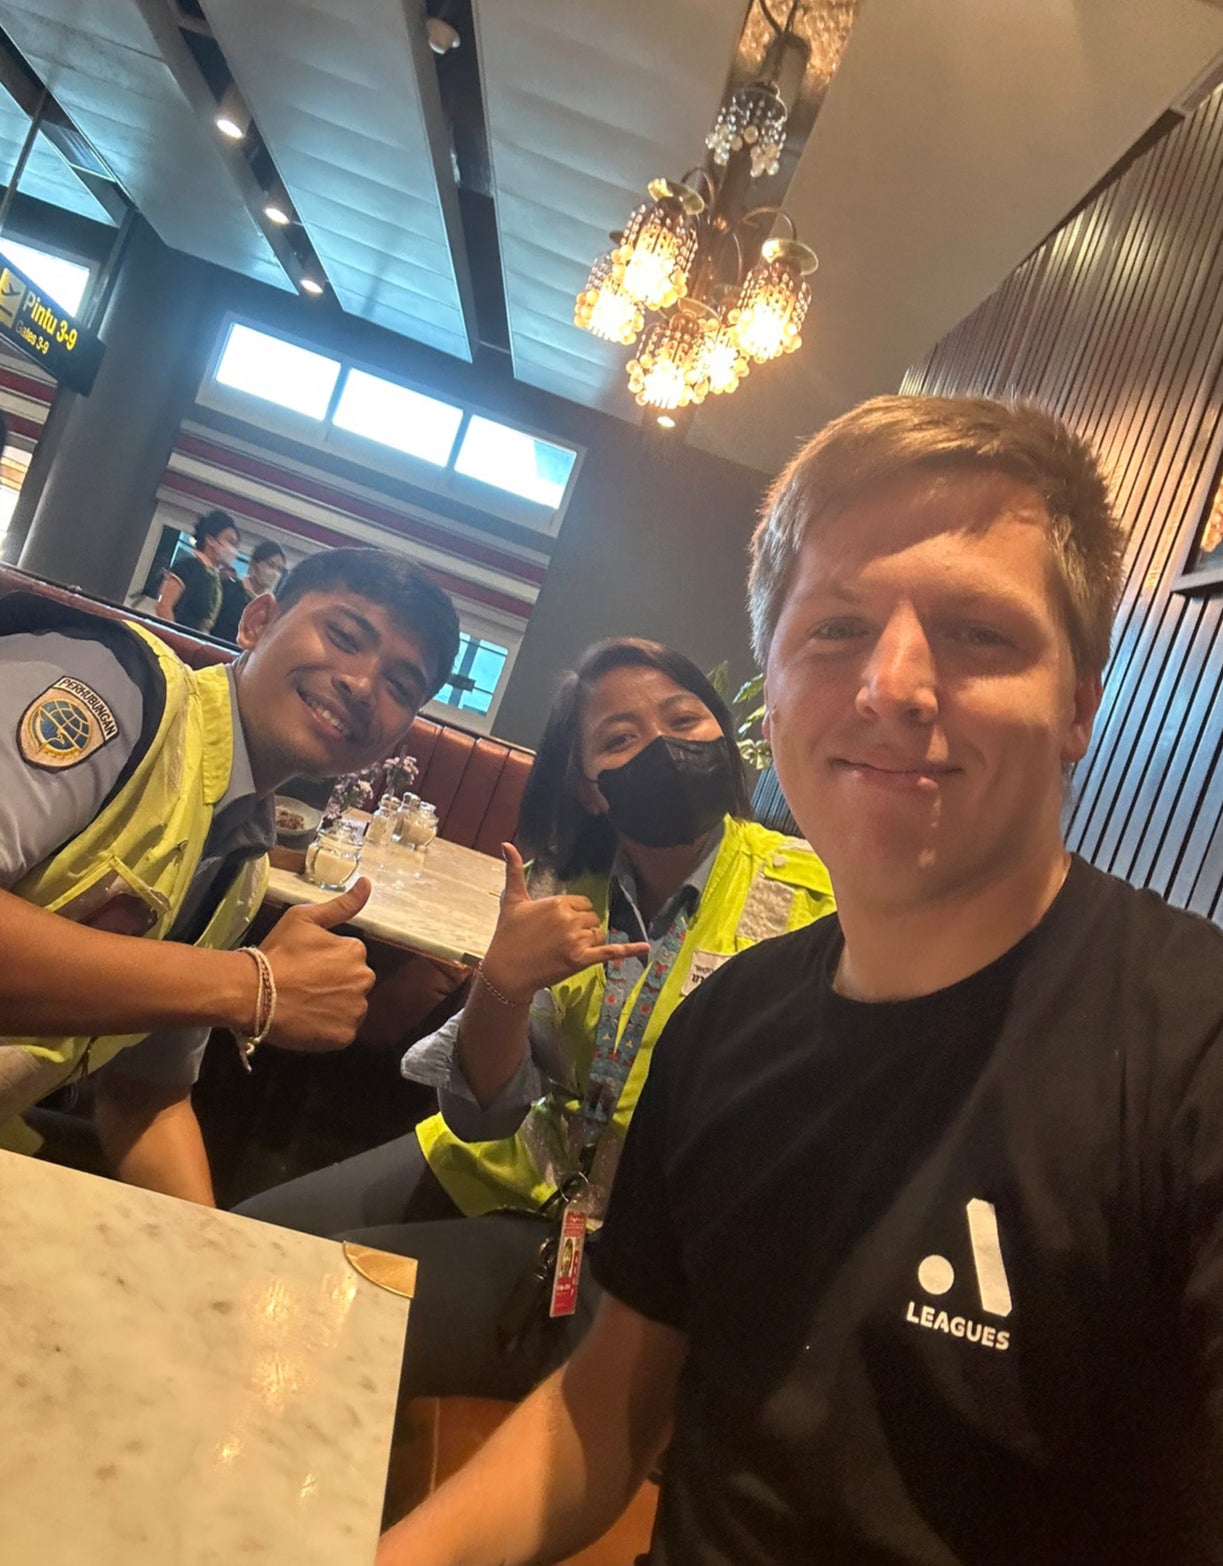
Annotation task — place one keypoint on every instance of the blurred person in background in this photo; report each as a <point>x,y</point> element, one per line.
<point>191,590</point>
<point>267,566</point>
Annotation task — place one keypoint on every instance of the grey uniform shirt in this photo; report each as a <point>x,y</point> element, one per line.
<point>434,1060</point>
<point>42,807</point>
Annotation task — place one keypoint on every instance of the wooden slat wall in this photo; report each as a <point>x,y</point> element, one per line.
<point>1116,324</point>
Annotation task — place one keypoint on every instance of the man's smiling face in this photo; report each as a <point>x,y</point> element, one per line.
<point>923,698</point>
<point>328,685</point>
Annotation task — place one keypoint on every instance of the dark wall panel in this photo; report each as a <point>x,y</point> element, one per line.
<point>1116,324</point>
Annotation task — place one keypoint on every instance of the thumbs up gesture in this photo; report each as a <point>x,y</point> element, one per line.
<point>321,978</point>
<point>540,941</point>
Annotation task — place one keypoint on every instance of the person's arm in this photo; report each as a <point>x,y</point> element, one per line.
<point>537,943</point>
<point>151,1138</point>
<point>565,1464</point>
<point>172,589</point>
<point>59,977</point>
<point>433,1061</point>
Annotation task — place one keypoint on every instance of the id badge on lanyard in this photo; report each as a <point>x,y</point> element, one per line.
<point>616,1046</point>
<point>560,1261</point>
<point>570,1245</point>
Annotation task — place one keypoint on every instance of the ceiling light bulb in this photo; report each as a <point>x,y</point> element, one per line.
<point>772,307</point>
<point>233,118</point>
<point>658,249</point>
<point>277,207</point>
<point>666,373</point>
<point>311,284</point>
<point>721,359</point>
<point>604,308</point>
<point>667,422</point>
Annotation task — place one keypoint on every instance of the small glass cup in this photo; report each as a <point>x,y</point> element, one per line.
<point>418,828</point>
<point>408,806</point>
<point>383,823</point>
<point>334,855</point>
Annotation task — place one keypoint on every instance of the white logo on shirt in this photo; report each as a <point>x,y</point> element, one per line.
<point>936,1276</point>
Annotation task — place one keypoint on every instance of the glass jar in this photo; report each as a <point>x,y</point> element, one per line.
<point>418,828</point>
<point>408,805</point>
<point>383,823</point>
<point>333,857</point>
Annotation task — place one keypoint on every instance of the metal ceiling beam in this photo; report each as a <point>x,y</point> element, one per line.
<point>26,90</point>
<point>125,76</point>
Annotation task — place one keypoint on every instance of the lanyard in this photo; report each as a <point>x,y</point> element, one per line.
<point>615,1051</point>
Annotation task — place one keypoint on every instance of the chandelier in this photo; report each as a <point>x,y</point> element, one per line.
<point>695,279</point>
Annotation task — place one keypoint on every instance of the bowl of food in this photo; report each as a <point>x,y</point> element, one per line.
<point>296,823</point>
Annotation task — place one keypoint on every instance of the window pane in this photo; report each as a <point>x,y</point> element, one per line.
<point>480,663</point>
<point>64,281</point>
<point>276,371</point>
<point>515,461</point>
<point>395,416</point>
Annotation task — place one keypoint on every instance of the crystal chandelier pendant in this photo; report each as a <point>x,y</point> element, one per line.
<point>668,372</point>
<point>721,360</point>
<point>768,319</point>
<point>659,245</point>
<point>604,309</point>
<point>755,117</point>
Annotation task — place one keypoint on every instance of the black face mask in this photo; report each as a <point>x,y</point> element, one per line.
<point>673,791</point>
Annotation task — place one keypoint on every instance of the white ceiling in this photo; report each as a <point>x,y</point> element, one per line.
<point>955,137</point>
<point>956,134</point>
<point>47,176</point>
<point>106,64</point>
<point>347,97</point>
<point>585,103</point>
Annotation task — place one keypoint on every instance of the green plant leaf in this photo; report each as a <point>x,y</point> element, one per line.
<point>719,678</point>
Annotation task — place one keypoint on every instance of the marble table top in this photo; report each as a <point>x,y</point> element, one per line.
<point>442,901</point>
<point>183,1387</point>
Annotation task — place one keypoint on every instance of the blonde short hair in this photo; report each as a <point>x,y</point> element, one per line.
<point>888,437</point>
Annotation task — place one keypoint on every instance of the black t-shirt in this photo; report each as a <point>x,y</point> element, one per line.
<point>951,1269</point>
<point>200,601</point>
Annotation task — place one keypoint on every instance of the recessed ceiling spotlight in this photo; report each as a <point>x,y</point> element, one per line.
<point>277,207</point>
<point>442,37</point>
<point>233,118</point>
<point>667,422</point>
<point>311,285</point>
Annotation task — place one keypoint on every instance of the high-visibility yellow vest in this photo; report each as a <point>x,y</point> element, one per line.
<point>147,841</point>
<point>760,884</point>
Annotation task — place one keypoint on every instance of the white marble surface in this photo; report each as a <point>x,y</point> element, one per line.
<point>183,1387</point>
<point>442,902</point>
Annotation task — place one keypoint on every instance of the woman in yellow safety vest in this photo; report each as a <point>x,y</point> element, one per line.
<point>646,875</point>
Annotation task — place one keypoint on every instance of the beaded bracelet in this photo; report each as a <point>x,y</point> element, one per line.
<point>265,1007</point>
<point>497,994</point>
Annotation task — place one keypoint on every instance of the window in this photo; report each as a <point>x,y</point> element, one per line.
<point>435,443</point>
<point>515,461</point>
<point>395,416</point>
<point>66,282</point>
<point>277,371</point>
<point>474,682</point>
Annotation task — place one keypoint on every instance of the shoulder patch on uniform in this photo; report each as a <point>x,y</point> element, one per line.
<point>64,726</point>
